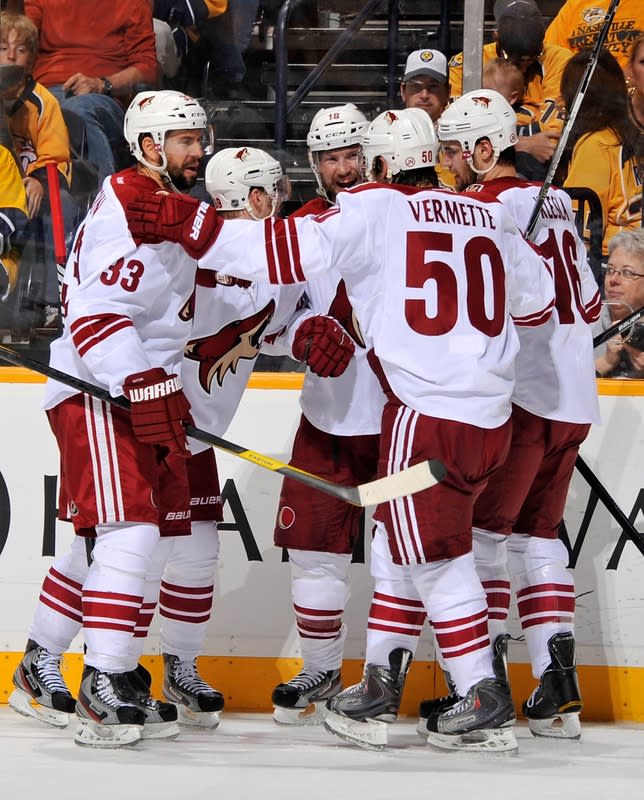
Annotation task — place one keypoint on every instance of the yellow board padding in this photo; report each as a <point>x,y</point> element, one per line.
<point>610,693</point>
<point>293,380</point>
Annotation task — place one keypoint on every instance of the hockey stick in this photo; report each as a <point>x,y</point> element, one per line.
<point>618,327</point>
<point>408,481</point>
<point>571,117</point>
<point>611,506</point>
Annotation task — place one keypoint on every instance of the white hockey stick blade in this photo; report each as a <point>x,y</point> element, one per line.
<point>407,481</point>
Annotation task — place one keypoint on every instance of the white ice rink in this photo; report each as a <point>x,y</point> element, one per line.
<point>249,756</point>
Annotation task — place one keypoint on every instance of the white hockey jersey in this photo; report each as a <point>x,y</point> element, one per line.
<point>555,368</point>
<point>230,320</point>
<point>438,282</point>
<point>121,302</point>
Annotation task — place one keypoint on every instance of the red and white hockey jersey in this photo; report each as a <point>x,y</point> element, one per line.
<point>351,404</point>
<point>230,320</point>
<point>555,368</point>
<point>121,302</point>
<point>438,282</point>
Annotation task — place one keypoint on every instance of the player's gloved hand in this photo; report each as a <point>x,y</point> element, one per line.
<point>176,218</point>
<point>158,409</point>
<point>324,345</point>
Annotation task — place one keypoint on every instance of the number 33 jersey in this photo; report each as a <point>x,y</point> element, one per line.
<point>121,301</point>
<point>555,367</point>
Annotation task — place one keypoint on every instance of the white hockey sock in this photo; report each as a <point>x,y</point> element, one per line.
<point>490,557</point>
<point>396,619</point>
<point>397,613</point>
<point>455,603</point>
<point>113,592</point>
<point>320,589</point>
<point>59,613</point>
<point>187,591</point>
<point>545,593</point>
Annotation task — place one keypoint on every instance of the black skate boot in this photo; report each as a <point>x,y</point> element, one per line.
<point>436,705</point>
<point>553,708</point>
<point>198,703</point>
<point>38,678</point>
<point>301,701</point>
<point>360,713</point>
<point>160,718</point>
<point>439,704</point>
<point>481,721</point>
<point>109,710</point>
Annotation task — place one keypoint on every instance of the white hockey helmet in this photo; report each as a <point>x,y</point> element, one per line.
<point>475,115</point>
<point>331,129</point>
<point>234,171</point>
<point>157,113</point>
<point>406,139</point>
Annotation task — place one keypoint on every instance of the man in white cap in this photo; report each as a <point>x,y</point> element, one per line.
<point>425,83</point>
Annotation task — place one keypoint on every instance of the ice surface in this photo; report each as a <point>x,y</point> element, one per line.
<point>250,756</point>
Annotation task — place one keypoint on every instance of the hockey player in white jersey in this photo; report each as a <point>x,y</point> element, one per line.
<point>439,282</point>
<point>337,438</point>
<point>517,517</point>
<point>124,478</point>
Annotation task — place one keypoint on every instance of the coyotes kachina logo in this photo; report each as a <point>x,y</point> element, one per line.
<point>221,351</point>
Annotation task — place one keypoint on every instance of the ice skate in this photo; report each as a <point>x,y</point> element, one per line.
<point>553,708</point>
<point>40,689</point>
<point>108,710</point>
<point>197,702</point>
<point>301,701</point>
<point>362,713</point>
<point>480,722</point>
<point>160,718</point>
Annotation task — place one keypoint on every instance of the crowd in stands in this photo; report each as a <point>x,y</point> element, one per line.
<point>85,82</point>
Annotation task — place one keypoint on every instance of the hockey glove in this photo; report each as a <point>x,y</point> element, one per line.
<point>174,218</point>
<point>158,409</point>
<point>324,345</point>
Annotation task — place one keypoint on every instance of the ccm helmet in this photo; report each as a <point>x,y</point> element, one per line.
<point>483,113</point>
<point>331,129</point>
<point>406,139</point>
<point>234,171</point>
<point>156,113</point>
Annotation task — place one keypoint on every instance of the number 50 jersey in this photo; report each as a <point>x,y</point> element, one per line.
<point>438,282</point>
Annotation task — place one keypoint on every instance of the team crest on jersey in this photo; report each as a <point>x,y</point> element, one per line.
<point>342,310</point>
<point>481,101</point>
<point>593,16</point>
<point>221,351</point>
<point>242,154</point>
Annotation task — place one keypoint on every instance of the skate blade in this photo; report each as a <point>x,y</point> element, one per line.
<point>160,730</point>
<point>23,703</point>
<point>313,714</point>
<point>499,741</point>
<point>107,737</point>
<point>421,728</point>
<point>198,719</point>
<point>370,734</point>
<point>563,726</point>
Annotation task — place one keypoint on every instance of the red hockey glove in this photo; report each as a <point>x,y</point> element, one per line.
<point>324,345</point>
<point>158,409</point>
<point>174,218</point>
